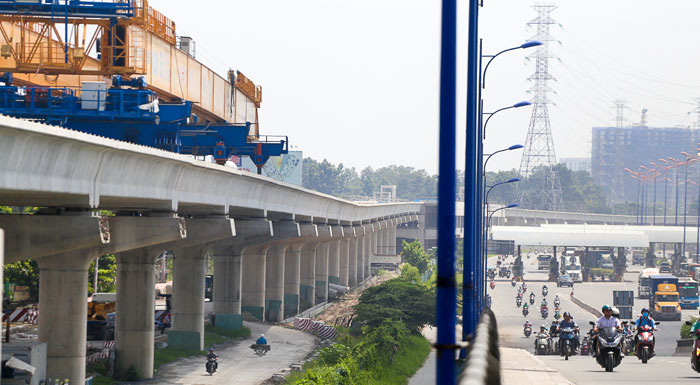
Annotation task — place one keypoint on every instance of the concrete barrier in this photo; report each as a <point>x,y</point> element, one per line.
<point>684,346</point>
<point>586,307</point>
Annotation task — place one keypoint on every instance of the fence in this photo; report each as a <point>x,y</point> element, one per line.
<point>483,359</point>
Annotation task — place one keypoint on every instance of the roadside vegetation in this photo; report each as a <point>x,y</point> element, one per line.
<point>685,329</point>
<point>384,344</point>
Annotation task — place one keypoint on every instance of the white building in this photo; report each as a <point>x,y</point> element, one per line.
<point>577,164</point>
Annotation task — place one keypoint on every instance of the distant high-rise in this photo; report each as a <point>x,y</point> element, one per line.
<point>616,148</point>
<point>577,164</point>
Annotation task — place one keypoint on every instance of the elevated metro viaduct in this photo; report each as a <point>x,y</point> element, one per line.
<point>275,246</point>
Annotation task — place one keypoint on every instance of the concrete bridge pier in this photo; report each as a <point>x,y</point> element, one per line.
<point>292,275</point>
<point>321,272</point>
<point>334,262</point>
<point>386,244</point>
<point>274,283</point>
<point>307,283</point>
<point>369,231</point>
<point>253,298</point>
<point>352,261</point>
<point>360,254</point>
<point>228,277</point>
<point>63,281</point>
<point>392,236</point>
<point>344,259</point>
<point>189,269</point>
<point>135,303</point>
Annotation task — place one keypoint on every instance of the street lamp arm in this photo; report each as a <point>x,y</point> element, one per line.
<point>483,79</point>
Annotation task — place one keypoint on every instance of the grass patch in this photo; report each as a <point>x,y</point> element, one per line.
<point>410,357</point>
<point>102,380</point>
<point>685,329</point>
<point>212,336</point>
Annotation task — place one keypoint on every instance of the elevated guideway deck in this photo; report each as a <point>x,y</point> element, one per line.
<point>276,247</point>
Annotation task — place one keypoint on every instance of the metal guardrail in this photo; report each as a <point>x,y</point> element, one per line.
<point>483,365</point>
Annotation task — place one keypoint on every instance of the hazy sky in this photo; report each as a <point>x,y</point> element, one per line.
<point>356,81</point>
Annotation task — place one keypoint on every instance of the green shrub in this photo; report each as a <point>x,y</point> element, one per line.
<point>395,299</point>
<point>685,329</point>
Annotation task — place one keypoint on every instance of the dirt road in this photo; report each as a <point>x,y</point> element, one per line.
<point>238,364</point>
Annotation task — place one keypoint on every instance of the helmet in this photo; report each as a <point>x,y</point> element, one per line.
<point>211,350</point>
<point>554,322</point>
<point>645,310</point>
<point>543,326</point>
<point>616,312</point>
<point>566,314</point>
<point>262,336</point>
<point>606,307</point>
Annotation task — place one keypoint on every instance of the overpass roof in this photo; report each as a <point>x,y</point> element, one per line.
<point>594,235</point>
<point>574,236</point>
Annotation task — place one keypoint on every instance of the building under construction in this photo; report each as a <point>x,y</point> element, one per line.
<point>616,148</point>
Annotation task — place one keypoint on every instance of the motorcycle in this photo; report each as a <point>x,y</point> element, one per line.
<point>211,365</point>
<point>260,350</point>
<point>492,285</point>
<point>557,303</point>
<point>695,353</point>
<point>512,283</point>
<point>557,315</point>
<point>627,340</point>
<point>645,343</point>
<point>532,299</point>
<point>544,291</point>
<point>525,311</point>
<point>609,349</point>
<point>566,342</point>
<point>524,286</point>
<point>518,302</point>
<point>585,346</point>
<point>544,312</point>
<point>488,300</point>
<point>542,344</point>
<point>527,330</point>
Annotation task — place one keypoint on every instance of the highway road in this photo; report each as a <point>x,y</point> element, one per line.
<point>662,369</point>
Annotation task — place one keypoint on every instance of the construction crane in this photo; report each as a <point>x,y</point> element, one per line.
<point>114,68</point>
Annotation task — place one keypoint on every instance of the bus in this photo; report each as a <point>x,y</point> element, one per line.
<point>688,293</point>
<point>643,281</point>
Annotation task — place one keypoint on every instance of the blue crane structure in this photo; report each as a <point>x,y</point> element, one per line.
<point>123,109</point>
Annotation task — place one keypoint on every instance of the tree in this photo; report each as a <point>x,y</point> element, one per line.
<point>24,273</point>
<point>397,300</point>
<point>414,254</point>
<point>409,273</point>
<point>106,275</point>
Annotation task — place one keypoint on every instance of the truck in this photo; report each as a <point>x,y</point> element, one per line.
<point>543,262</point>
<point>663,297</point>
<point>643,282</point>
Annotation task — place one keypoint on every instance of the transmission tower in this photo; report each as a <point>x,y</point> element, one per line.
<point>539,145</point>
<point>620,106</point>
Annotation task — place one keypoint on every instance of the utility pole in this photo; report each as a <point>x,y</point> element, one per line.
<point>539,144</point>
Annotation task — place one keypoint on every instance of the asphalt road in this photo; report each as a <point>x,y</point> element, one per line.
<point>662,369</point>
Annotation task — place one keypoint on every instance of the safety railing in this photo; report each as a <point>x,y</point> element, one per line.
<point>483,365</point>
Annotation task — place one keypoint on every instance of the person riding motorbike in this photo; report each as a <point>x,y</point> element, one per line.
<point>262,340</point>
<point>644,320</point>
<point>553,328</point>
<point>606,321</point>
<point>557,301</point>
<point>493,285</point>
<point>526,325</point>
<point>543,334</point>
<point>544,290</point>
<point>568,322</point>
<point>212,356</point>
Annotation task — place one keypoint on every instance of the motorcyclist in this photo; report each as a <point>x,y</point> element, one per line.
<point>526,324</point>
<point>606,321</point>
<point>543,304</point>
<point>543,333</point>
<point>557,301</point>
<point>568,322</point>
<point>695,326</point>
<point>544,289</point>
<point>262,340</point>
<point>553,328</point>
<point>532,295</point>
<point>212,356</point>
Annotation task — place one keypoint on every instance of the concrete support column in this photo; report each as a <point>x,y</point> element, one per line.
<point>228,277</point>
<point>385,240</point>
<point>344,261</point>
<point>189,268</point>
<point>322,272</point>
<point>274,284</point>
<point>292,275</point>
<point>334,262</point>
<point>361,257</point>
<point>135,316</point>
<point>63,281</point>
<point>392,237</point>
<point>352,263</point>
<point>375,239</point>
<point>308,276</point>
<point>253,298</point>
<point>368,252</point>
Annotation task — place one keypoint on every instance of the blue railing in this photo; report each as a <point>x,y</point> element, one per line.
<point>69,8</point>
